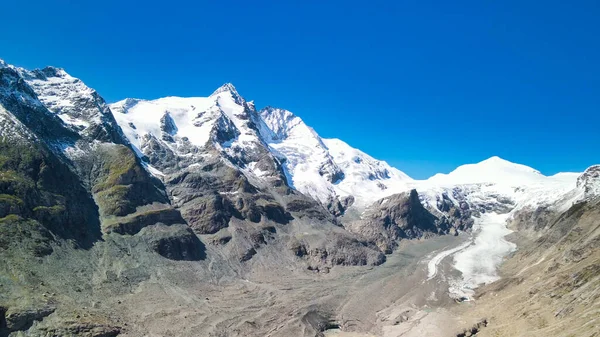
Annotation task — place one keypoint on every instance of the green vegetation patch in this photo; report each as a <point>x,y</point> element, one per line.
<point>115,200</point>
<point>120,168</point>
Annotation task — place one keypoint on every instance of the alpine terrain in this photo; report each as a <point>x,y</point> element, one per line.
<point>209,216</point>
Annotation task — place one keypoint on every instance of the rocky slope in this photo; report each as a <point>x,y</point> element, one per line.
<point>550,285</point>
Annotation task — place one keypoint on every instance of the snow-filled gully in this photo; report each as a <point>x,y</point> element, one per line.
<point>479,258</point>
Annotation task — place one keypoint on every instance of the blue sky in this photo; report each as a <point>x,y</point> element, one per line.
<point>424,85</point>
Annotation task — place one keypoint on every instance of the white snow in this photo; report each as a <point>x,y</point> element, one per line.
<point>153,170</point>
<point>314,162</point>
<point>493,170</point>
<point>73,121</point>
<point>59,91</point>
<point>304,152</point>
<point>478,262</point>
<point>432,265</point>
<point>365,178</point>
<point>141,117</point>
<point>194,118</point>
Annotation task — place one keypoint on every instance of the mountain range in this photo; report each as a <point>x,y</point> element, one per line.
<point>100,202</point>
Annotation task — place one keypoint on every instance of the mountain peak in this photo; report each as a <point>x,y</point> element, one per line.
<point>227,87</point>
<point>491,170</point>
<point>501,163</point>
<point>495,160</point>
<point>55,72</point>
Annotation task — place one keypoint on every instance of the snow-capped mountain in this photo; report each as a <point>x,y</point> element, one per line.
<point>274,142</point>
<point>324,169</point>
<point>81,108</point>
<point>496,184</point>
<point>196,127</point>
<point>493,170</point>
<point>273,147</point>
<point>328,168</point>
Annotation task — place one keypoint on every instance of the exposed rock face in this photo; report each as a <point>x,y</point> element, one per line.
<point>455,214</point>
<point>400,216</point>
<point>176,242</point>
<point>20,320</point>
<point>338,206</point>
<point>342,249</point>
<point>589,181</point>
<point>82,109</point>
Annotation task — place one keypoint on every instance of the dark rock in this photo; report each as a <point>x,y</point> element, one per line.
<point>133,223</point>
<point>297,248</point>
<point>276,212</point>
<point>84,329</point>
<point>400,216</point>
<point>247,255</point>
<point>167,124</point>
<point>20,320</point>
<point>175,242</point>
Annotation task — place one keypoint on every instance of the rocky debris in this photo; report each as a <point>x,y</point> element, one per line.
<point>400,216</point>
<point>318,322</point>
<point>339,205</point>
<point>262,235</point>
<point>454,214</point>
<point>19,319</point>
<point>177,242</point>
<point>340,249</point>
<point>247,254</point>
<point>347,251</point>
<point>212,192</point>
<point>474,330</point>
<point>532,218</point>
<point>304,207</point>
<point>297,247</point>
<point>83,329</point>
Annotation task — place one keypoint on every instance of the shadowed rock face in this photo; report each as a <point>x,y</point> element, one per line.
<point>177,242</point>
<point>33,196</point>
<point>397,217</point>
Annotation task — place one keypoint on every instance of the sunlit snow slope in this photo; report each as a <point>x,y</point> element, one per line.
<point>325,169</point>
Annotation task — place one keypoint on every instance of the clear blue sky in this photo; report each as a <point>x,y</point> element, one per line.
<point>424,85</point>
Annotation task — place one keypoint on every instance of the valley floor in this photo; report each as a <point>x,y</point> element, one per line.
<point>394,299</point>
